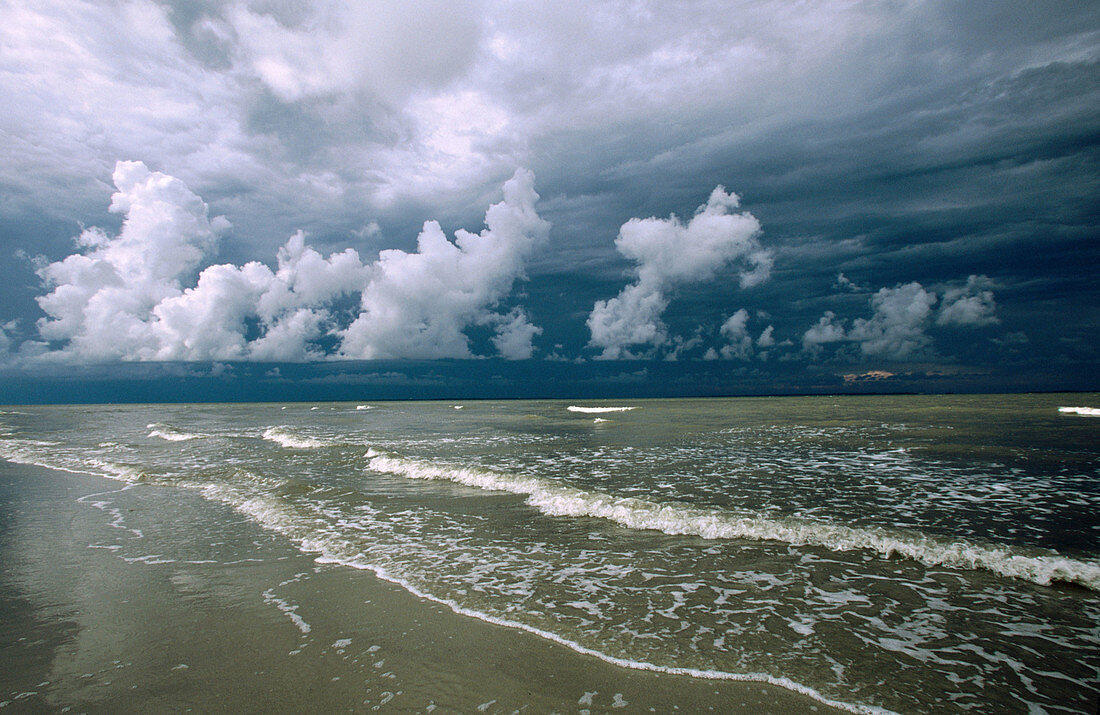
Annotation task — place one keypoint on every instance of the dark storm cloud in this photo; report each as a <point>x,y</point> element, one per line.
<point>916,143</point>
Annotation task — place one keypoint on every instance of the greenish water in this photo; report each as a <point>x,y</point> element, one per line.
<point>911,553</point>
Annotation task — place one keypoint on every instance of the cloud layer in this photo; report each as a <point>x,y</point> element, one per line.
<point>910,143</point>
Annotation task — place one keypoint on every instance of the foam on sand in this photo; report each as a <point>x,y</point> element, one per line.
<point>1084,411</point>
<point>290,440</point>
<point>1039,566</point>
<point>274,514</point>
<point>597,410</point>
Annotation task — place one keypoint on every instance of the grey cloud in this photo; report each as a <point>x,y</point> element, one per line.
<point>970,305</point>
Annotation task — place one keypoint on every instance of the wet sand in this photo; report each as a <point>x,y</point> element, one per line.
<point>153,599</point>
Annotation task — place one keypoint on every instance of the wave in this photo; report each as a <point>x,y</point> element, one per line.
<point>596,410</point>
<point>289,440</point>
<point>364,407</point>
<point>1085,411</point>
<point>274,514</point>
<point>170,433</point>
<point>556,499</point>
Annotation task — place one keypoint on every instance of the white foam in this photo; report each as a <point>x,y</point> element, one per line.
<point>364,407</point>
<point>291,610</point>
<point>598,420</point>
<point>272,514</point>
<point>461,610</point>
<point>674,518</point>
<point>289,440</point>
<point>596,410</point>
<point>170,433</point>
<point>1085,411</point>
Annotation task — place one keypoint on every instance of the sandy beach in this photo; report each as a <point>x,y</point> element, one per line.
<point>104,608</point>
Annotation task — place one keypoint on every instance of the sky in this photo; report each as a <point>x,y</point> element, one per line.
<point>206,199</point>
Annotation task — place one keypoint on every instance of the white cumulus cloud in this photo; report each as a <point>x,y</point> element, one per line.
<point>670,253</point>
<point>101,299</point>
<point>901,317</point>
<point>417,305</point>
<point>739,343</point>
<point>970,306</point>
<point>123,297</point>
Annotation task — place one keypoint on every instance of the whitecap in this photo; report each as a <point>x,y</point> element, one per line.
<point>1083,411</point>
<point>1039,566</point>
<point>596,410</point>
<point>171,434</point>
<point>289,440</point>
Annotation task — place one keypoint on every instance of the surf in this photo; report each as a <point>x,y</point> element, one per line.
<point>554,499</point>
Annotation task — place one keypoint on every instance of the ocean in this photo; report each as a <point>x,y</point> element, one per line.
<point>873,553</point>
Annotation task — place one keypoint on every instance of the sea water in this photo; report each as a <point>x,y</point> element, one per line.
<point>907,553</point>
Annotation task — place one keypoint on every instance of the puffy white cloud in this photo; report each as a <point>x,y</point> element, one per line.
<point>767,338</point>
<point>207,322</point>
<point>417,305</point>
<point>670,253</point>
<point>514,334</point>
<point>970,306</point>
<point>827,330</point>
<point>739,343</point>
<point>122,297</point>
<point>897,328</point>
<point>631,318</point>
<point>289,338</point>
<point>735,331</point>
<point>101,299</point>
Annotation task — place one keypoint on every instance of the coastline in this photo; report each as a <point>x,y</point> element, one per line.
<point>110,601</point>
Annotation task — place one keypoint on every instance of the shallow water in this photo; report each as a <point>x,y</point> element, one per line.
<point>902,552</point>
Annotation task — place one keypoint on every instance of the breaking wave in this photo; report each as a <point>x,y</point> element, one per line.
<point>170,433</point>
<point>289,440</point>
<point>556,499</point>
<point>597,410</point>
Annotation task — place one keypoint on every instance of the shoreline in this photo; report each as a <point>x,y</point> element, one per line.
<point>106,607</point>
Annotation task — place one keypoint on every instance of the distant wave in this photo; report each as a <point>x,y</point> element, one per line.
<point>596,410</point>
<point>1086,411</point>
<point>170,433</point>
<point>673,518</point>
<point>364,407</point>
<point>288,439</point>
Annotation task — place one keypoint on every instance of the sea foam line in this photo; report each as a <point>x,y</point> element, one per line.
<point>272,515</point>
<point>596,410</point>
<point>558,500</point>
